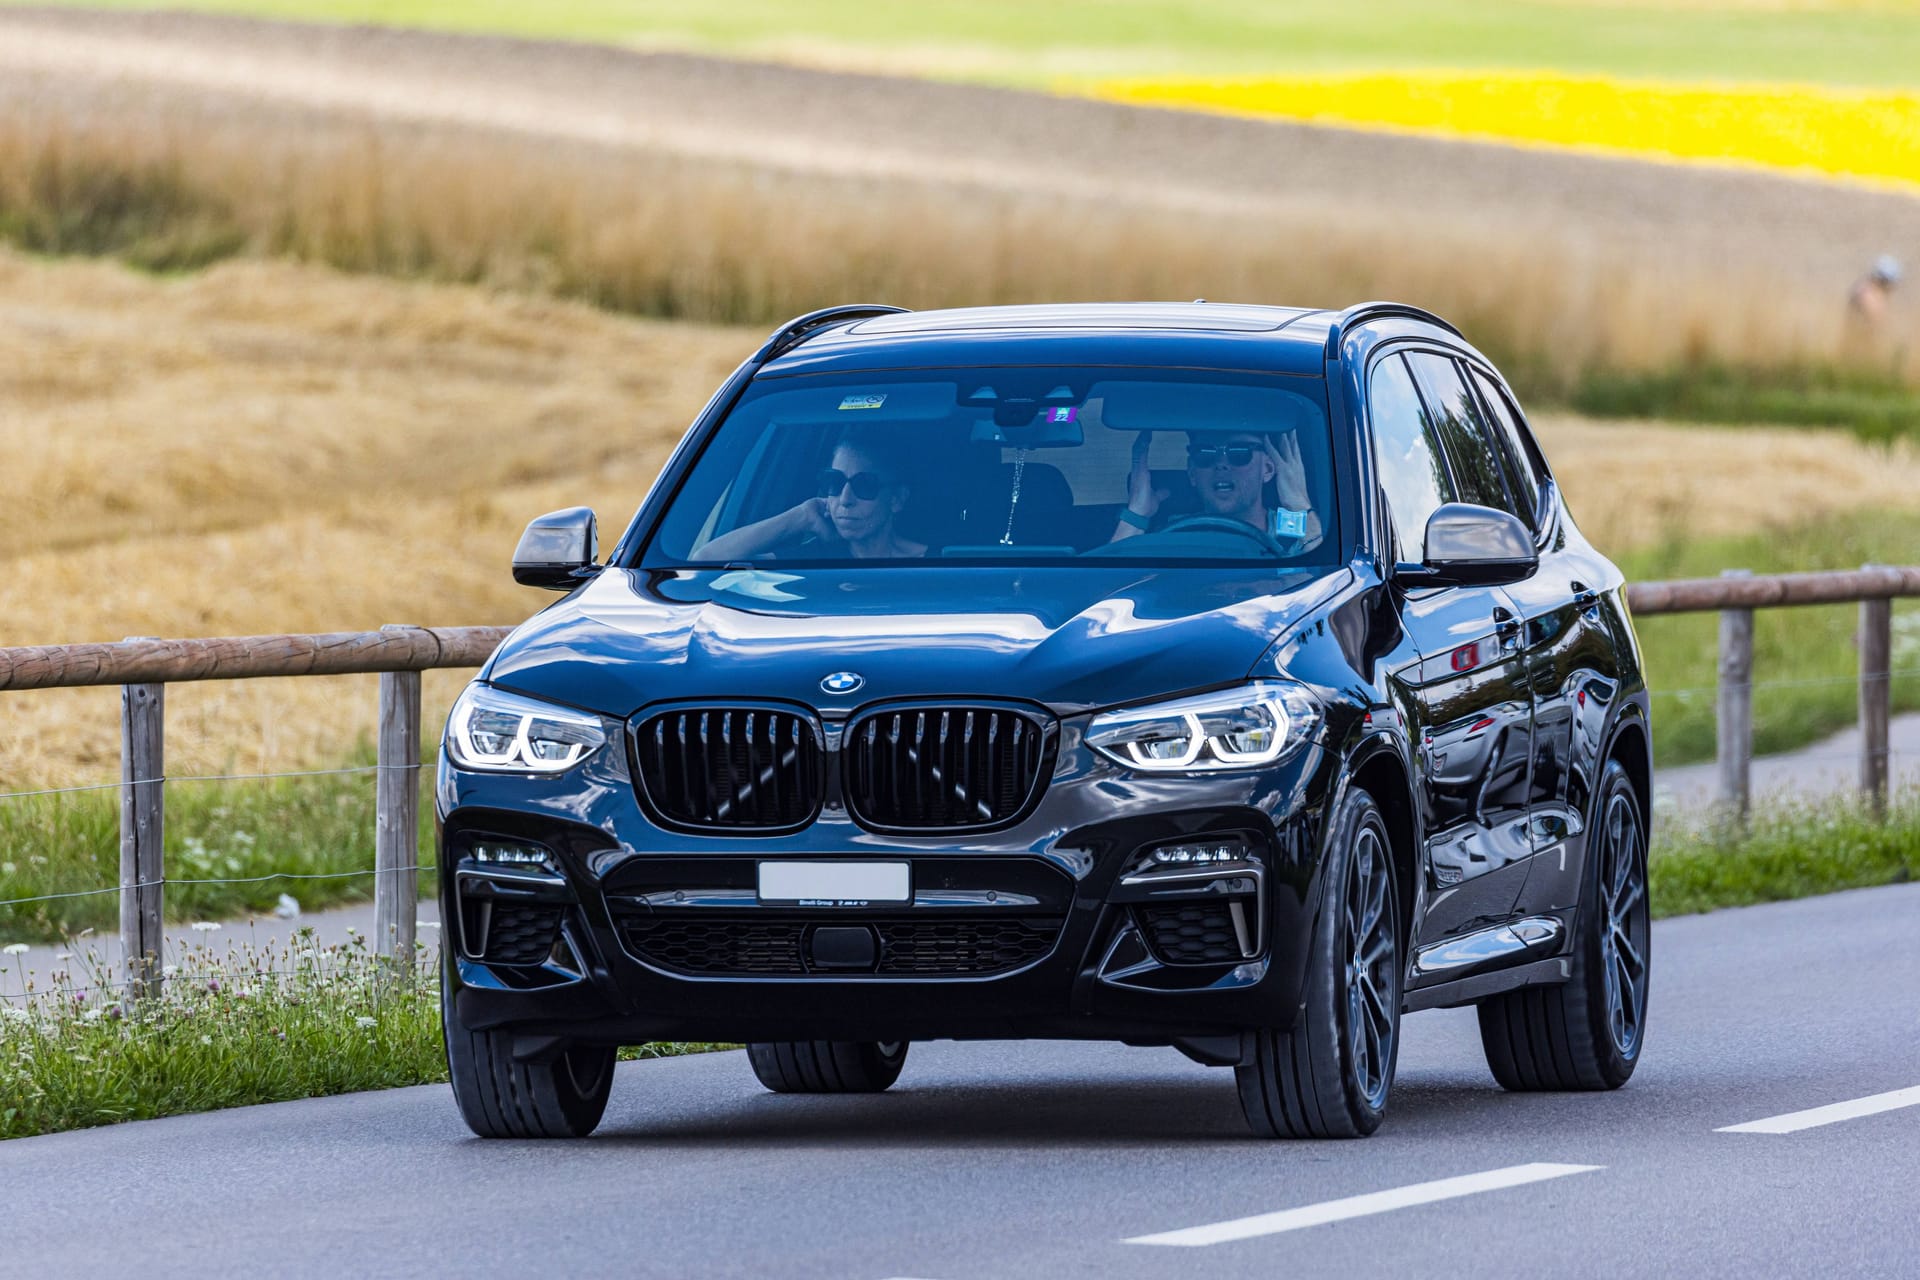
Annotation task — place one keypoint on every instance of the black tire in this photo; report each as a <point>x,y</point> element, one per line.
<point>827,1066</point>
<point>1330,1075</point>
<point>561,1096</point>
<point>1587,1032</point>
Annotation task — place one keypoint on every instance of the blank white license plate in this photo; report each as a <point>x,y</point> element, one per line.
<point>835,884</point>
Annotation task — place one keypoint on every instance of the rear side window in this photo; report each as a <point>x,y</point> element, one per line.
<point>1412,475</point>
<point>1520,471</point>
<point>1478,467</point>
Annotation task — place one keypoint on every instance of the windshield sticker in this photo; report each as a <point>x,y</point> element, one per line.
<point>1060,415</point>
<point>862,402</point>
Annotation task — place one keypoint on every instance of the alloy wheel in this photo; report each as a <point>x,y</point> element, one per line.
<point>1372,951</point>
<point>1623,938</point>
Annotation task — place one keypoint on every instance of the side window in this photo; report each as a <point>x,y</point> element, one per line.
<point>1412,474</point>
<point>1477,463</point>
<point>1524,478</point>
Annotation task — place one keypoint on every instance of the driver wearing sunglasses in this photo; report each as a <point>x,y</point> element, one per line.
<point>1230,472</point>
<point>856,499</point>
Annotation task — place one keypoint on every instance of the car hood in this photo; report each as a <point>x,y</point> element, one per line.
<point>1071,638</point>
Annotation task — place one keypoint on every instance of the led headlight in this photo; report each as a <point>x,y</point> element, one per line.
<point>1255,724</point>
<point>492,729</point>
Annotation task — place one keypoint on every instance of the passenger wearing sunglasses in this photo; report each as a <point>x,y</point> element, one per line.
<point>851,513</point>
<point>1230,472</point>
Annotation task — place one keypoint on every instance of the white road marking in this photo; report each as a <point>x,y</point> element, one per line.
<point>1832,1113</point>
<point>1313,1215</point>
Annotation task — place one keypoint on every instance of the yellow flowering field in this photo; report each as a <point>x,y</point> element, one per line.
<point>1871,134</point>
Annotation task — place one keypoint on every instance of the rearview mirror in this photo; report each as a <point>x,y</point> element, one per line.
<point>1470,546</point>
<point>558,550</point>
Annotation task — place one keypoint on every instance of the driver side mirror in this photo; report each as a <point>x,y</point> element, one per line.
<point>1471,546</point>
<point>558,550</point>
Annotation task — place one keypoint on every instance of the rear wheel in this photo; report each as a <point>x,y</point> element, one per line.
<point>1587,1032</point>
<point>827,1066</point>
<point>1329,1076</point>
<point>561,1095</point>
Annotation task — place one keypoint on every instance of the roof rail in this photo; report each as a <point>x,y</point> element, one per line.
<point>1369,311</point>
<point>800,328</point>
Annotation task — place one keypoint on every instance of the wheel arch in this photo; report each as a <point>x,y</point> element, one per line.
<point>1632,746</point>
<point>1378,768</point>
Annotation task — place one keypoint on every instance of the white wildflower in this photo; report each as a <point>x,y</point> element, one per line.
<point>204,926</point>
<point>363,1021</point>
<point>14,949</point>
<point>37,859</point>
<point>352,930</point>
<point>92,1015</point>
<point>288,908</point>
<point>17,1015</point>
<point>206,1039</point>
<point>167,971</point>
<point>7,868</point>
<point>63,956</point>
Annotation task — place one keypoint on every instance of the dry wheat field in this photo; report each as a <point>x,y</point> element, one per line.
<point>274,444</point>
<point>273,447</point>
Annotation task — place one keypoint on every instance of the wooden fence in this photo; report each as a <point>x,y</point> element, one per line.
<point>143,667</point>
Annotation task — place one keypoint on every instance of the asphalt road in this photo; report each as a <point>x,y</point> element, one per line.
<point>992,1160</point>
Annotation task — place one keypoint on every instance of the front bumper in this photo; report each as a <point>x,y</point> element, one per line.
<point>630,932</point>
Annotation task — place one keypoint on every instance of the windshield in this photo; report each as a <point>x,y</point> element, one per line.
<point>1022,465</point>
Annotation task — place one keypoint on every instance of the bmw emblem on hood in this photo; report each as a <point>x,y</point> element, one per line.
<point>843,682</point>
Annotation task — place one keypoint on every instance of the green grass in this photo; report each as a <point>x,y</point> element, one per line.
<point>149,217</point>
<point>1014,41</point>
<point>232,1029</point>
<point>1874,406</point>
<point>218,831</point>
<point>1808,651</point>
<point>1783,853</point>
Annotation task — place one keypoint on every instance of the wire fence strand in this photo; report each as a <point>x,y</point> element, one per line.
<point>167,880</point>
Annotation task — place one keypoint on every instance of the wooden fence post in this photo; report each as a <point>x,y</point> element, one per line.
<point>396,847</point>
<point>1735,706</point>
<point>1876,698</point>
<point>142,830</point>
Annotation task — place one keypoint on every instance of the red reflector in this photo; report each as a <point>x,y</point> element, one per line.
<point>1484,722</point>
<point>1466,657</point>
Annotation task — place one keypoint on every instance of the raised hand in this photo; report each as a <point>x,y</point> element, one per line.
<point>1142,498</point>
<point>811,518</point>
<point>1290,472</point>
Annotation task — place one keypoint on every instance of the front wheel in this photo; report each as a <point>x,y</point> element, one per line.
<point>1587,1032</point>
<point>559,1095</point>
<point>1329,1076</point>
<point>827,1066</point>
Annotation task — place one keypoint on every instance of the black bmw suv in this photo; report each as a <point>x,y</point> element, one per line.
<point>1231,678</point>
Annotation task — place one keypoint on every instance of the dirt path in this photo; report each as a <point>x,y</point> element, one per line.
<point>1805,234</point>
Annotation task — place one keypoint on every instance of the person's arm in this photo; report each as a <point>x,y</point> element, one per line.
<point>1290,482</point>
<point>1143,500</point>
<point>810,517</point>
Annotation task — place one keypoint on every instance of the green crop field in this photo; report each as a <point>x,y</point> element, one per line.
<point>1862,42</point>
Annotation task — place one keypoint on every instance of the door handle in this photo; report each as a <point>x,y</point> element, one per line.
<point>1507,627</point>
<point>1584,596</point>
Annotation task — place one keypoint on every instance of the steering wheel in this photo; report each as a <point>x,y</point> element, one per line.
<point>1226,524</point>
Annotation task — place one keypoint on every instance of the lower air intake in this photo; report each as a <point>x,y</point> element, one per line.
<point>1193,933</point>
<point>908,948</point>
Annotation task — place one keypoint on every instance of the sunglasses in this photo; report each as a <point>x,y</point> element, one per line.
<point>866,485</point>
<point>1237,455</point>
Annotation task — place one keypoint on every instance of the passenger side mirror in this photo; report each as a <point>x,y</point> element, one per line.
<point>1470,546</point>
<point>558,550</point>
